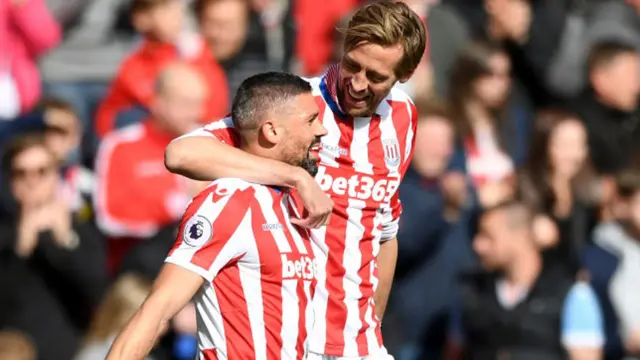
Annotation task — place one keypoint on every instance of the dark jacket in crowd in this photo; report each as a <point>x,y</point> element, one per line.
<point>51,295</point>
<point>614,135</point>
<point>430,251</point>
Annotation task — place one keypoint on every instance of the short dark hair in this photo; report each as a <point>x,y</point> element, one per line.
<point>262,93</point>
<point>605,52</point>
<point>628,183</point>
<point>518,214</point>
<point>19,145</point>
<point>142,6</point>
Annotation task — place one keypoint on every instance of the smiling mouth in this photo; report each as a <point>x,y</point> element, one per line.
<point>315,147</point>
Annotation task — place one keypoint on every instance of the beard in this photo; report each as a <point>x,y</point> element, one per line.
<point>310,165</point>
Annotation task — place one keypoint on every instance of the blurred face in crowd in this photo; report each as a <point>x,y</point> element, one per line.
<point>224,25</point>
<point>495,243</point>
<point>164,22</point>
<point>634,210</point>
<point>63,139</point>
<point>434,146</point>
<point>493,88</point>
<point>619,81</point>
<point>568,148</point>
<point>34,178</point>
<point>367,74</point>
<point>179,103</point>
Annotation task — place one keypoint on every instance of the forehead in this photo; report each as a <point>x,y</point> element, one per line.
<point>303,105</point>
<point>36,154</point>
<point>383,60</point>
<point>224,9</point>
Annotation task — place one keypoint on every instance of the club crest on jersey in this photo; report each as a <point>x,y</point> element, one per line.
<point>197,231</point>
<point>391,152</point>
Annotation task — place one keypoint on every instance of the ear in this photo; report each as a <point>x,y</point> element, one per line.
<point>270,132</point>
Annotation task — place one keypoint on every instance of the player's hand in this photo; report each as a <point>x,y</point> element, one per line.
<point>318,206</point>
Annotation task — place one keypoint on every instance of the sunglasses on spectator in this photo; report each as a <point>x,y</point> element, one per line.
<point>23,173</point>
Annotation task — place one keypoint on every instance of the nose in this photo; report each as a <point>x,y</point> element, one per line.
<point>359,83</point>
<point>320,131</point>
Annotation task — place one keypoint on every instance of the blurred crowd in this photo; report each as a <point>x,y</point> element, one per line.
<point>534,100</point>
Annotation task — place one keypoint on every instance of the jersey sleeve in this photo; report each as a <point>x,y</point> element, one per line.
<point>391,216</point>
<point>213,230</point>
<point>582,324</point>
<point>222,130</point>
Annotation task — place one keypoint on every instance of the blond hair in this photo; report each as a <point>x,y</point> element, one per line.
<point>388,23</point>
<point>14,345</point>
<point>124,298</point>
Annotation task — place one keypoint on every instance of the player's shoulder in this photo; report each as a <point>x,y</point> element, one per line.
<point>219,124</point>
<point>397,95</point>
<point>227,187</point>
<point>315,83</point>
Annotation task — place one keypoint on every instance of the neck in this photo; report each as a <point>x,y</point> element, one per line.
<point>477,114</point>
<point>525,269</point>
<point>610,102</point>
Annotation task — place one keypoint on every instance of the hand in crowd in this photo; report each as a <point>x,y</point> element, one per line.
<point>455,192</point>
<point>54,217</point>
<point>494,192</point>
<point>545,231</point>
<point>633,343</point>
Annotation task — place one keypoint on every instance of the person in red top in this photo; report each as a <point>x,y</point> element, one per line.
<point>363,158</point>
<point>135,196</point>
<point>249,269</point>
<point>161,23</point>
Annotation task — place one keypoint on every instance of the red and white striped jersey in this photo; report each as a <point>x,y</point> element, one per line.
<point>260,272</point>
<point>362,161</point>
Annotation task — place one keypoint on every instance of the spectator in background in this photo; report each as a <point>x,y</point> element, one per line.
<point>136,196</point>
<point>52,265</point>
<point>236,36</point>
<point>27,31</point>
<point>609,107</point>
<point>490,139</point>
<point>61,131</point>
<point>131,93</point>
<point>519,307</point>
<point>316,31</point>
<point>124,298</point>
<point>558,182</point>
<point>431,250</point>
<point>621,239</point>
<point>590,24</point>
<point>16,346</point>
<point>95,43</point>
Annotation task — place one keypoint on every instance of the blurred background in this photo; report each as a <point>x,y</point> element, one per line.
<point>528,99</point>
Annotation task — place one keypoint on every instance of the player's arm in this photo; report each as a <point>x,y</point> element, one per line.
<point>173,289</point>
<point>386,266</point>
<point>211,157</point>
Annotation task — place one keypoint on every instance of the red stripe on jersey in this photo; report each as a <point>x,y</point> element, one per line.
<point>271,295</point>
<point>335,240</point>
<point>210,354</point>
<point>346,137</point>
<point>302,303</point>
<point>377,159</point>
<point>232,300</point>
